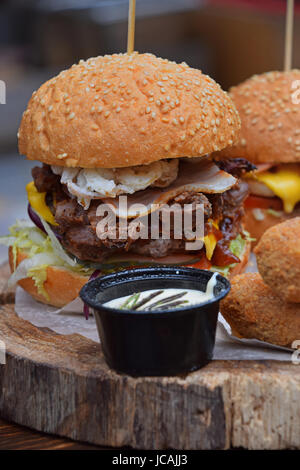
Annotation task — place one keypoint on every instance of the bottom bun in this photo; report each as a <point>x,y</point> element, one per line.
<point>257,228</point>
<point>239,268</point>
<point>61,285</point>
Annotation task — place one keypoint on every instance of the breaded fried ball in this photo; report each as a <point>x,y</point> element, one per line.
<point>278,259</point>
<point>254,311</point>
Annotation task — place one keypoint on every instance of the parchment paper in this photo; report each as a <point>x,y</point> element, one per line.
<point>70,320</point>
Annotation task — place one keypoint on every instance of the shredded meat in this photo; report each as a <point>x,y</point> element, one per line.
<point>44,179</point>
<point>235,166</point>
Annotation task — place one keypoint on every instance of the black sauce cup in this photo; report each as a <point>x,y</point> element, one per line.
<point>155,343</point>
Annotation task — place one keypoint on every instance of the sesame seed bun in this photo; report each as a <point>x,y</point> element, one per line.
<point>123,110</point>
<point>63,285</point>
<point>270,119</point>
<point>239,268</point>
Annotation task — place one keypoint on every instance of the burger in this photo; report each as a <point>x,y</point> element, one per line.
<point>125,125</point>
<point>269,138</point>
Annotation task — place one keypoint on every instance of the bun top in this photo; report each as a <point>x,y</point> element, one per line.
<point>270,119</point>
<point>124,110</point>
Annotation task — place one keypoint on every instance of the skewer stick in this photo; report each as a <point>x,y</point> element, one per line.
<point>131,27</point>
<point>288,51</point>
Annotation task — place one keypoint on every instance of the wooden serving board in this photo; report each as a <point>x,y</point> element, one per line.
<point>61,385</point>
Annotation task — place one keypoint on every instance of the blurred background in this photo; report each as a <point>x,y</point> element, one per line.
<point>227,39</point>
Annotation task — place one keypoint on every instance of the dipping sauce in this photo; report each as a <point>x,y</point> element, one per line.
<point>164,299</point>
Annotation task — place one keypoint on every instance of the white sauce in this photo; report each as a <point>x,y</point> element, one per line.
<point>192,296</point>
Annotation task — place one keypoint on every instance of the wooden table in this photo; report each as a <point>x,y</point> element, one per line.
<point>15,437</point>
<point>60,384</point>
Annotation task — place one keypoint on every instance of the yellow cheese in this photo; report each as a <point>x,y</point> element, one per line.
<point>210,241</point>
<point>38,203</point>
<point>285,184</point>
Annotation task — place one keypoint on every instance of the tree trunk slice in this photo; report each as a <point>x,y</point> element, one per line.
<point>60,384</point>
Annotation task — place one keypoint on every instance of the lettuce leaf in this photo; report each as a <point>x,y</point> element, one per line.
<point>42,251</point>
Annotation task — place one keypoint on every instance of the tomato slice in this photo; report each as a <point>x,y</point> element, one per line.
<point>203,263</point>
<point>259,202</point>
<point>223,256</point>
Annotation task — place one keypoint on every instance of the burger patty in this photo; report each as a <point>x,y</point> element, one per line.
<point>77,226</point>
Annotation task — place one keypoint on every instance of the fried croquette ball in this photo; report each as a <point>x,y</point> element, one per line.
<point>278,259</point>
<point>253,310</point>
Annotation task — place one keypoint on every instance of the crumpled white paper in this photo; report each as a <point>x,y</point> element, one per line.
<point>70,319</point>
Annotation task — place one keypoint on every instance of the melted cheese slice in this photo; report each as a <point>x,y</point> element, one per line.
<point>38,203</point>
<point>210,241</point>
<point>202,177</point>
<point>285,184</point>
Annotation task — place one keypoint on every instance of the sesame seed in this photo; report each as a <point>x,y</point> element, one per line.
<point>148,110</point>
<point>50,108</point>
<point>153,115</point>
<point>175,122</point>
<point>71,116</point>
<point>243,142</point>
<point>181,119</point>
<point>106,114</point>
<point>100,109</point>
<point>62,156</point>
<point>118,109</point>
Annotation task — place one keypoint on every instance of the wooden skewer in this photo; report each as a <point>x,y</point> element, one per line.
<point>131,27</point>
<point>288,51</point>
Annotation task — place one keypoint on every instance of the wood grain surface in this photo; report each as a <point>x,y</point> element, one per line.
<point>61,385</point>
<point>16,437</point>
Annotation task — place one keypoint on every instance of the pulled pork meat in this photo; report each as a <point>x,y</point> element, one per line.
<point>77,226</point>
